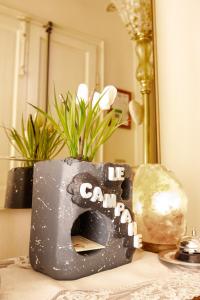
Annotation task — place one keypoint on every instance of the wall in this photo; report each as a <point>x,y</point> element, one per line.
<point>89,17</point>
<point>178,77</point>
<point>15,230</point>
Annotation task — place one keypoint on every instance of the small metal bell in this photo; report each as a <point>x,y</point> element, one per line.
<point>189,248</point>
<point>190,244</point>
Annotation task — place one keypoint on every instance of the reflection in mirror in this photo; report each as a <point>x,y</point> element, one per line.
<point>137,18</point>
<point>94,49</point>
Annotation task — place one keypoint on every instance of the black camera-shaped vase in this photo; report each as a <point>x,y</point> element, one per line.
<point>19,188</point>
<point>76,198</point>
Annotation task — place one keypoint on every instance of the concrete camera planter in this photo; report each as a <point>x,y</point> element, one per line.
<point>72,197</point>
<point>19,188</point>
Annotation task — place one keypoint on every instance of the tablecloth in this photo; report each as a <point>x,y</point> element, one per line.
<point>146,278</point>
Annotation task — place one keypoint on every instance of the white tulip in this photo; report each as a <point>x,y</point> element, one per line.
<point>108,96</point>
<point>136,111</point>
<point>95,99</point>
<point>82,93</point>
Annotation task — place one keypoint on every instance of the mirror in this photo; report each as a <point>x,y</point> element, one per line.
<point>95,48</point>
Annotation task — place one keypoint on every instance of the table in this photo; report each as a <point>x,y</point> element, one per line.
<point>146,278</point>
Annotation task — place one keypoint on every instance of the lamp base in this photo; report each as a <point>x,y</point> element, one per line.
<point>156,248</point>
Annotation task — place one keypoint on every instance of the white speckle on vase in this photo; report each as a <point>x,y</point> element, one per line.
<point>37,242</point>
<point>37,260</point>
<point>39,199</point>
<point>56,269</point>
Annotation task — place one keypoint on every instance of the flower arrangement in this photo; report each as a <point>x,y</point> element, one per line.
<point>82,123</point>
<point>38,140</point>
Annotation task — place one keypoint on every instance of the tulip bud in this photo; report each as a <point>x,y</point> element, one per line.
<point>61,98</point>
<point>82,93</point>
<point>95,99</point>
<point>136,112</point>
<point>108,95</point>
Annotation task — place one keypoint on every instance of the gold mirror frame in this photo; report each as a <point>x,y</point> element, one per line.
<point>138,17</point>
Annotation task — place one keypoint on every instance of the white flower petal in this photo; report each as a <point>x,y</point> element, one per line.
<point>108,94</point>
<point>82,93</point>
<point>104,102</point>
<point>95,98</point>
<point>136,112</point>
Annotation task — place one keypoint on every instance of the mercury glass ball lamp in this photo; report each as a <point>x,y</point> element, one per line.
<point>160,206</point>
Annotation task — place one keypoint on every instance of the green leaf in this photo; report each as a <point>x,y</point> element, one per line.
<point>80,126</point>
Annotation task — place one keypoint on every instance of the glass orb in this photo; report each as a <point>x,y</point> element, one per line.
<point>160,206</point>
